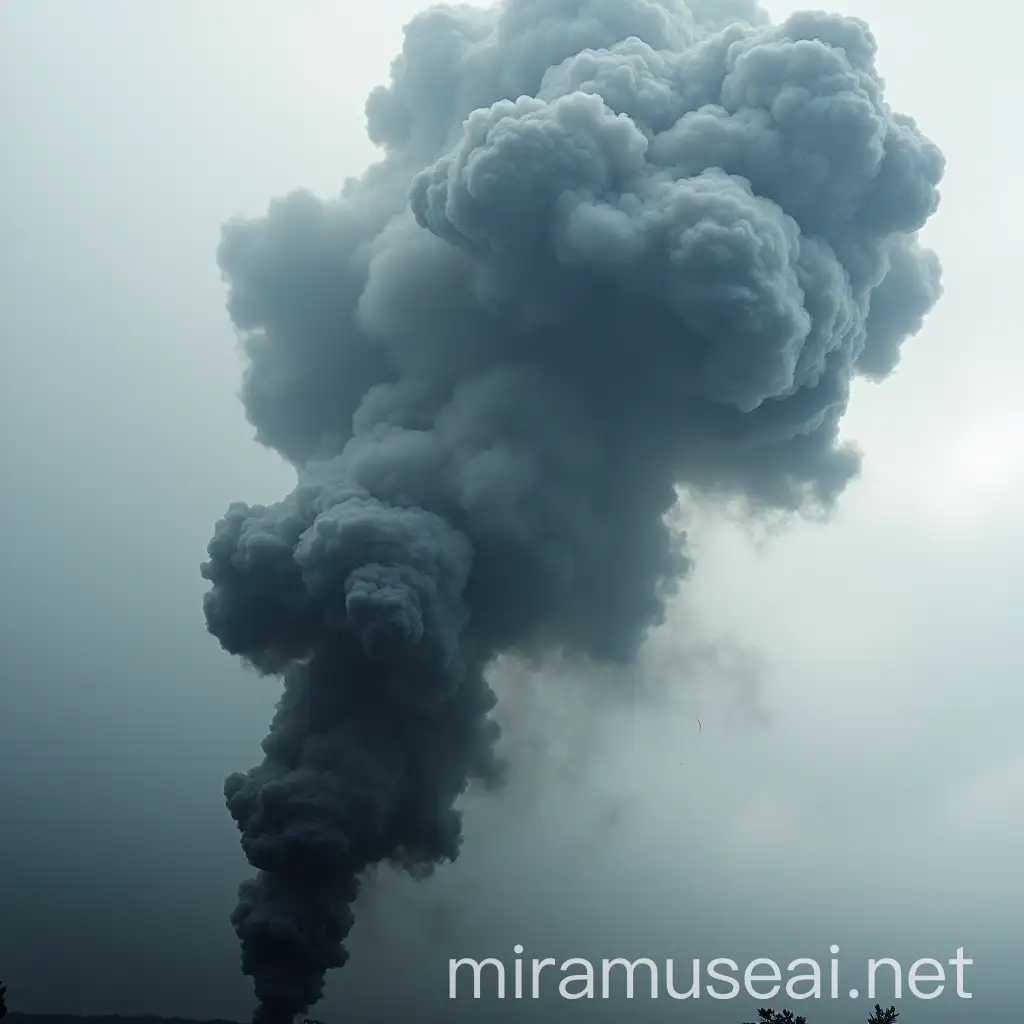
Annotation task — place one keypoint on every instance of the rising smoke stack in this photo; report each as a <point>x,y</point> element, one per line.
<point>613,248</point>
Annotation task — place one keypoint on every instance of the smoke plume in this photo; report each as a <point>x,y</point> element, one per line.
<point>613,249</point>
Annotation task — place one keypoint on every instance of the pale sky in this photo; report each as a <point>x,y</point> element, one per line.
<point>858,778</point>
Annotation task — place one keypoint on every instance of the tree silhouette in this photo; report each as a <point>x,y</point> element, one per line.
<point>3,999</point>
<point>777,1017</point>
<point>881,1016</point>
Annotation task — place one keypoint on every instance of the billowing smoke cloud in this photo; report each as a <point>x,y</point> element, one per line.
<point>613,248</point>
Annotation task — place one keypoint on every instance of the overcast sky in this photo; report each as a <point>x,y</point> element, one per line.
<point>858,777</point>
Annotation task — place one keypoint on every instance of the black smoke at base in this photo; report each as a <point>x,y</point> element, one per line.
<point>614,248</point>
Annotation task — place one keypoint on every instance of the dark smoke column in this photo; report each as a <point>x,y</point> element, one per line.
<point>614,248</point>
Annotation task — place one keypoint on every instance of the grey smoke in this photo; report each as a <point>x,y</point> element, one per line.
<point>613,249</point>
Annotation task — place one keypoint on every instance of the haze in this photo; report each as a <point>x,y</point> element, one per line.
<point>857,774</point>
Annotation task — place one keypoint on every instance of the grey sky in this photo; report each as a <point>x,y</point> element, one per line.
<point>858,782</point>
